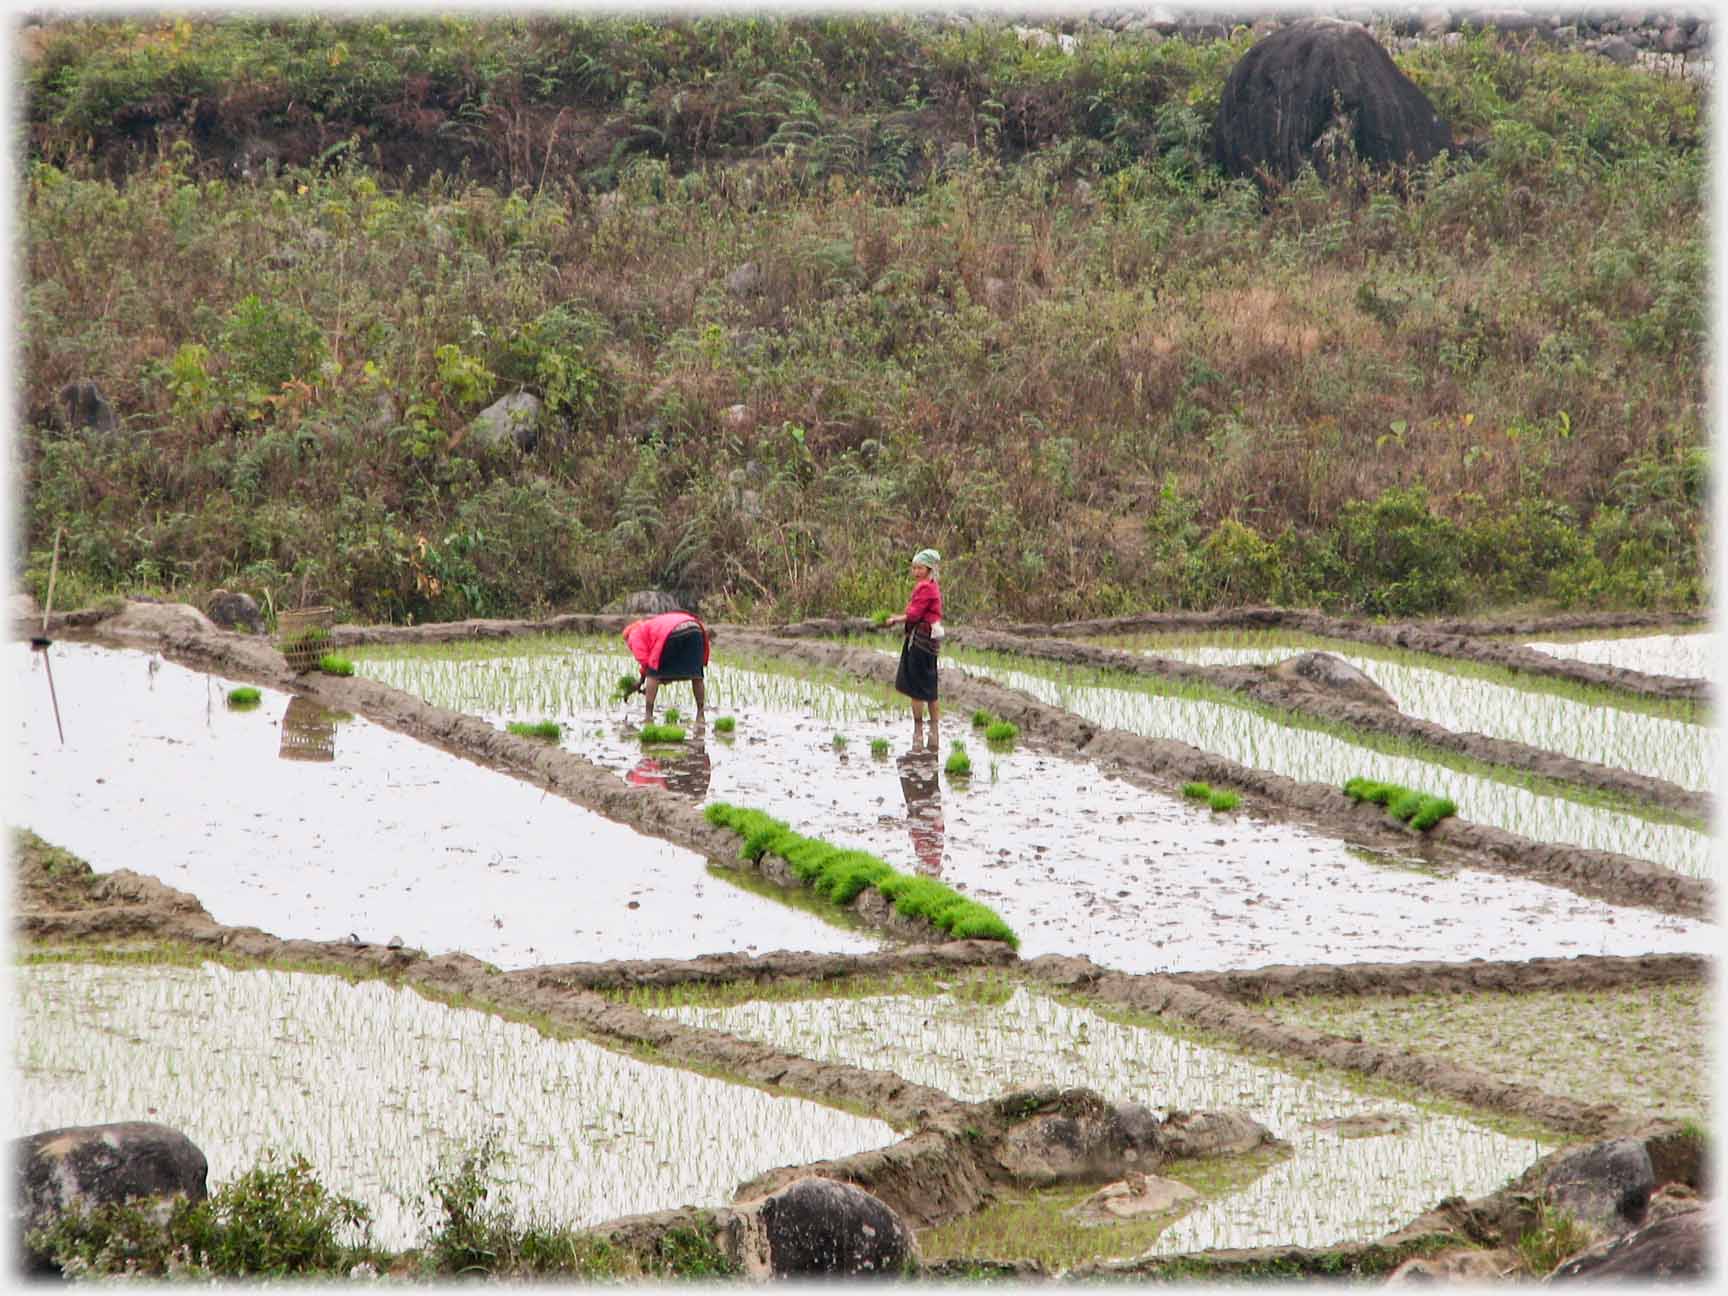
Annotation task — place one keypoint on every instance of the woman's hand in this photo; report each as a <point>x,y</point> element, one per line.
<point>896,619</point>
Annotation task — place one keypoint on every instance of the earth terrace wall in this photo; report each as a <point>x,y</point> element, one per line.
<point>1601,874</point>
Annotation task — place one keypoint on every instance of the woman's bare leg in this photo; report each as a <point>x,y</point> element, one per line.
<point>701,693</point>
<point>649,689</point>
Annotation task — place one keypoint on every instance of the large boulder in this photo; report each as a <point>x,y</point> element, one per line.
<point>1604,1186</point>
<point>1316,91</point>
<point>1186,1135</point>
<point>235,611</point>
<point>80,406</point>
<point>1675,1247</point>
<point>513,419</point>
<point>84,1166</point>
<point>1333,676</point>
<point>1076,1136</point>
<point>818,1227</point>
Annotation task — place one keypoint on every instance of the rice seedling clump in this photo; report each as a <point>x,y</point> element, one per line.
<point>725,724</point>
<point>839,741</point>
<point>841,874</point>
<point>1418,809</point>
<point>661,733</point>
<point>332,664</point>
<point>1221,800</point>
<point>879,748</point>
<point>1199,791</point>
<point>672,715</point>
<point>244,696</point>
<point>982,719</point>
<point>1002,731</point>
<point>540,729</point>
<point>959,764</point>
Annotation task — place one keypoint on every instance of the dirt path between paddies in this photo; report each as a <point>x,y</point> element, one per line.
<point>1258,684</point>
<point>1167,764</point>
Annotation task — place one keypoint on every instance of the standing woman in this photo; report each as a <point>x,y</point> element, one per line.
<point>916,677</point>
<point>671,646</point>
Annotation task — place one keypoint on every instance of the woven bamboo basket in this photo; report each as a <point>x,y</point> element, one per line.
<point>303,635</point>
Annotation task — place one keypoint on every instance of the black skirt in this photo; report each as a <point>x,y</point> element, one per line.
<point>916,677</point>
<point>681,658</point>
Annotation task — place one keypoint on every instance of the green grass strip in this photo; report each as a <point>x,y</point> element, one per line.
<point>1421,810</point>
<point>541,729</point>
<point>842,874</point>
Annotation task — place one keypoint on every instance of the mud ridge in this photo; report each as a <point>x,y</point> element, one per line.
<point>1344,980</point>
<point>1254,682</point>
<point>759,969</point>
<point>1464,640</point>
<point>1168,997</point>
<point>1604,875</point>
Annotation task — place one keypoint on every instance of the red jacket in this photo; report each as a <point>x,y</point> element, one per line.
<point>647,638</point>
<point>925,604</point>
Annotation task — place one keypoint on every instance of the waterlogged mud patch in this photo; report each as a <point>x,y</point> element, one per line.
<point>1143,706</point>
<point>1596,725</point>
<point>1331,1189</point>
<point>376,834</point>
<point>377,1087</point>
<point>1690,656</point>
<point>1646,1050</point>
<point>1073,859</point>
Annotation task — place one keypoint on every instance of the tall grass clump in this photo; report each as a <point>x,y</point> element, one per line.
<point>842,874</point>
<point>1420,810</point>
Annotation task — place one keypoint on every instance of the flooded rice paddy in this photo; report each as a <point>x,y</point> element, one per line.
<point>1150,707</point>
<point>1646,1050</point>
<point>312,826</point>
<point>380,1089</point>
<point>1076,861</point>
<point>1697,655</point>
<point>1332,1189</point>
<point>1499,704</point>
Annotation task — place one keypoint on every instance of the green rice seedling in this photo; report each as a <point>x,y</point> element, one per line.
<point>879,748</point>
<point>672,716</point>
<point>959,764</point>
<point>838,742</point>
<point>1219,799</point>
<point>1199,791</point>
<point>1419,809</point>
<point>660,733</point>
<point>982,719</point>
<point>725,724</point>
<point>541,729</point>
<point>625,687</point>
<point>243,697</point>
<point>880,617</point>
<point>332,664</point>
<point>1432,810</point>
<point>1002,731</point>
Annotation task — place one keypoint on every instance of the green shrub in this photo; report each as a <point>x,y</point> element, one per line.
<point>660,733</point>
<point>331,664</point>
<point>541,729</point>
<point>244,696</point>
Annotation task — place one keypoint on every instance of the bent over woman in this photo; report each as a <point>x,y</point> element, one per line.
<point>671,646</point>
<point>916,677</point>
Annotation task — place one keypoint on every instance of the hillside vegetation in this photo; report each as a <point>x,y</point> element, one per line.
<point>802,296</point>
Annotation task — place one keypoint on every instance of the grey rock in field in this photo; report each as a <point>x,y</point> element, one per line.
<point>1605,1186</point>
<point>82,1166</point>
<point>514,418</point>
<point>1133,1197</point>
<point>1618,50</point>
<point>1186,1134</point>
<point>80,406</point>
<point>1315,92</point>
<point>1333,675</point>
<point>821,1227</point>
<point>745,281</point>
<point>235,612</point>
<point>1454,1267</point>
<point>1676,1247</point>
<point>644,603</point>
<point>1076,1136</point>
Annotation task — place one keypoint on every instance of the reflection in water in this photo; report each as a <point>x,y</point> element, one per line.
<point>922,789</point>
<point>688,772</point>
<point>308,731</point>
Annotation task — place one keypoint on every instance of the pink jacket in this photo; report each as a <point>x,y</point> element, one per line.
<point>647,638</point>
<point>925,604</point>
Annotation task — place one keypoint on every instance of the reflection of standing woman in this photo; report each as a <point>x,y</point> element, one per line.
<point>916,677</point>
